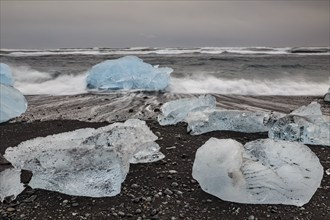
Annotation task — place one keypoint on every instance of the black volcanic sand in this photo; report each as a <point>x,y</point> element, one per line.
<point>151,191</point>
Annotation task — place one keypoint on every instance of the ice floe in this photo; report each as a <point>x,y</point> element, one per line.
<point>86,162</point>
<point>10,184</point>
<point>176,111</point>
<point>264,171</point>
<point>128,73</point>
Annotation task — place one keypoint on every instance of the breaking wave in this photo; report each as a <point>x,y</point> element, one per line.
<point>32,82</point>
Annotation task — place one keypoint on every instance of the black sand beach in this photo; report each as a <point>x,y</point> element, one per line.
<point>160,190</point>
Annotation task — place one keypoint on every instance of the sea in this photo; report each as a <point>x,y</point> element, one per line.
<point>259,71</point>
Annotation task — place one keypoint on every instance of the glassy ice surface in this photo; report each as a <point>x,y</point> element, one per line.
<point>86,162</point>
<point>10,184</point>
<point>6,77</point>
<point>128,73</point>
<point>264,171</point>
<point>12,103</point>
<point>306,125</point>
<point>176,111</point>
<point>230,120</point>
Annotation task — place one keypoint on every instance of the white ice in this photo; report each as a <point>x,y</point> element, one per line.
<point>128,73</point>
<point>12,103</point>
<point>6,77</point>
<point>86,162</point>
<point>10,184</point>
<point>176,111</point>
<point>260,172</point>
<point>230,120</point>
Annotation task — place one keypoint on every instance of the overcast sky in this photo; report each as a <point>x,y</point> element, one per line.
<point>58,24</point>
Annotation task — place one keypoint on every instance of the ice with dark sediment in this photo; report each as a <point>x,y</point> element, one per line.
<point>230,120</point>
<point>6,77</point>
<point>176,111</point>
<point>12,103</point>
<point>264,171</point>
<point>128,73</point>
<point>86,162</point>
<point>10,184</point>
<point>306,125</point>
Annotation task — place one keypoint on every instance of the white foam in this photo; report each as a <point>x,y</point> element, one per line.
<point>33,82</point>
<point>210,84</point>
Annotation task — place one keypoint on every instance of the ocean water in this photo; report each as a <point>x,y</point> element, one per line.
<point>241,71</point>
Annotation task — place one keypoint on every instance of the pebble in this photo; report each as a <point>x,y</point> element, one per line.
<point>138,211</point>
<point>251,217</point>
<point>173,171</point>
<point>168,192</point>
<point>120,213</point>
<point>174,184</point>
<point>11,209</point>
<point>75,204</point>
<point>135,186</point>
<point>148,199</point>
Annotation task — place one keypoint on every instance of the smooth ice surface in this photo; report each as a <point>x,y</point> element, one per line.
<point>306,124</point>
<point>12,103</point>
<point>10,184</point>
<point>6,77</point>
<point>230,120</point>
<point>86,162</point>
<point>128,73</point>
<point>264,171</point>
<point>177,110</point>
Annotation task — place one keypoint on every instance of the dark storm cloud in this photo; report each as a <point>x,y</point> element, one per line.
<point>54,24</point>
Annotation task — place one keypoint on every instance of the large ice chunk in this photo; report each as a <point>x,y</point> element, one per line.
<point>306,124</point>
<point>327,96</point>
<point>6,77</point>
<point>261,172</point>
<point>12,103</point>
<point>177,110</point>
<point>128,73</point>
<point>10,184</point>
<point>86,162</point>
<point>302,129</point>
<point>230,120</point>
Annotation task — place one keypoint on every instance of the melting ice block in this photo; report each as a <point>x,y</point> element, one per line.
<point>230,120</point>
<point>128,73</point>
<point>12,103</point>
<point>86,162</point>
<point>327,96</point>
<point>260,172</point>
<point>6,77</point>
<point>306,125</point>
<point>10,184</point>
<point>177,110</point>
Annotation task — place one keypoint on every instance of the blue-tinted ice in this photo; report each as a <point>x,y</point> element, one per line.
<point>128,73</point>
<point>306,125</point>
<point>12,103</point>
<point>6,77</point>
<point>176,111</point>
<point>86,162</point>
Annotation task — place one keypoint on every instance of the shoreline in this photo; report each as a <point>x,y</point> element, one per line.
<point>150,191</point>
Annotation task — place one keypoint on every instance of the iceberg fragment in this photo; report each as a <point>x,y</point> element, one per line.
<point>306,124</point>
<point>230,120</point>
<point>260,172</point>
<point>128,73</point>
<point>86,162</point>
<point>327,96</point>
<point>6,77</point>
<point>175,111</point>
<point>12,103</point>
<point>10,184</point>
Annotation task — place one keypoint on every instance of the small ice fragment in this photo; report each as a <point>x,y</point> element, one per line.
<point>128,73</point>
<point>327,171</point>
<point>260,172</point>
<point>230,120</point>
<point>177,110</point>
<point>86,162</point>
<point>327,96</point>
<point>12,103</point>
<point>6,77</point>
<point>10,184</point>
